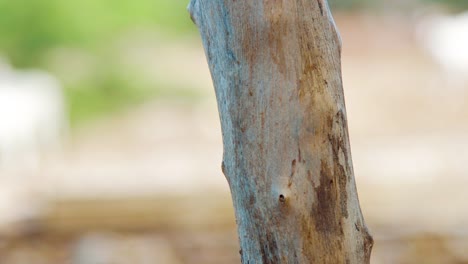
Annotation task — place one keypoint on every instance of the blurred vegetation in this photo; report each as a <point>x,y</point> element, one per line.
<point>30,30</point>
<point>351,4</point>
<point>455,5</point>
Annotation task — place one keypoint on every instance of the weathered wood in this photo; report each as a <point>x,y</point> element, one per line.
<point>276,69</point>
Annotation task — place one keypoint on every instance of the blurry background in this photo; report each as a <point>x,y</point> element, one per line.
<point>110,145</point>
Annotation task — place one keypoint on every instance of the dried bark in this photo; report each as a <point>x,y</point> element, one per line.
<point>276,69</point>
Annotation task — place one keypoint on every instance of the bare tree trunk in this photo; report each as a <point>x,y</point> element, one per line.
<point>276,69</point>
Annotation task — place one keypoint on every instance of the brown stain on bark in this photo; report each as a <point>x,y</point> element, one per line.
<point>319,247</point>
<point>252,200</point>
<point>324,210</point>
<point>250,37</point>
<point>310,72</point>
<point>320,4</point>
<point>307,85</point>
<point>341,142</point>
<point>276,51</point>
<point>293,171</point>
<point>299,153</point>
<point>337,144</point>
<point>324,225</point>
<point>368,241</point>
<point>319,52</point>
<point>368,245</point>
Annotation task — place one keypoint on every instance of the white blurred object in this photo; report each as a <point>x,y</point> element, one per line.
<point>18,207</point>
<point>32,117</point>
<point>445,38</point>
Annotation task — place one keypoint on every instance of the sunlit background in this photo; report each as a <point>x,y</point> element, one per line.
<point>110,144</point>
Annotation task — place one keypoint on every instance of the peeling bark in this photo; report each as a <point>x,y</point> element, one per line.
<point>276,68</point>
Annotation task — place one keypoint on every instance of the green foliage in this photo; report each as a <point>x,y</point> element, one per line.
<point>454,4</point>
<point>102,95</point>
<point>111,93</point>
<point>30,29</point>
<point>360,4</point>
<point>352,4</point>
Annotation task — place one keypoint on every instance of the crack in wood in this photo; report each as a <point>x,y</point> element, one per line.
<point>320,4</point>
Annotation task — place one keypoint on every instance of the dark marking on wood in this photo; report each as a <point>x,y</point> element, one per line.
<point>293,171</point>
<point>309,177</point>
<point>296,259</point>
<point>320,4</point>
<point>323,209</point>
<point>282,199</point>
<point>252,200</point>
<point>300,156</point>
<point>278,29</point>
<point>338,144</point>
<point>293,167</point>
<point>223,168</point>
<point>269,248</point>
<point>368,243</point>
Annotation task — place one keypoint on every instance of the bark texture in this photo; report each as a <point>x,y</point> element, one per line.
<point>276,69</point>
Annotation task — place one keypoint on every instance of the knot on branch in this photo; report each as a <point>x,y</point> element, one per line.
<point>192,8</point>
